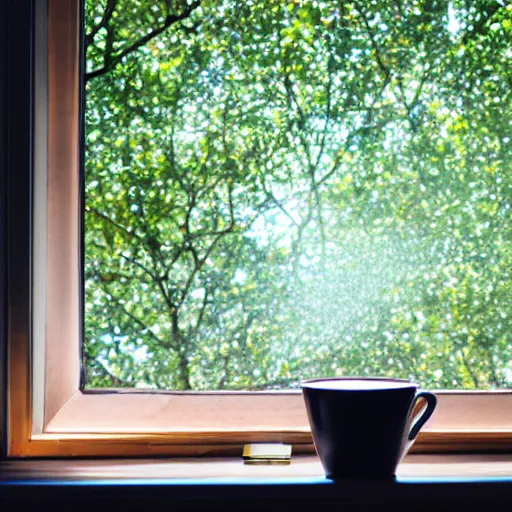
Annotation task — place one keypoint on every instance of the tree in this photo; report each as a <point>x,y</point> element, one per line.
<point>278,191</point>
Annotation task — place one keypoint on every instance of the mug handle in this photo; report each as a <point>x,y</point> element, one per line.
<point>425,414</point>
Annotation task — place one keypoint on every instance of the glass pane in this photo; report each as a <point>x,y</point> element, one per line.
<point>284,190</point>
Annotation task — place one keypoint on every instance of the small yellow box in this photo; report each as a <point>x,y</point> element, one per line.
<point>267,453</point>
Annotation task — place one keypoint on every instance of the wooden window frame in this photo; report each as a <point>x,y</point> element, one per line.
<point>47,412</point>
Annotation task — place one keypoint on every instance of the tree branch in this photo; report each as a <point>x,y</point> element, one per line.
<point>468,368</point>
<point>327,110</point>
<point>271,197</point>
<point>109,61</point>
<point>140,265</point>
<point>144,327</point>
<point>380,62</point>
<point>198,263</point>
<point>113,222</point>
<point>106,373</point>
<point>200,316</point>
<point>478,27</point>
<point>105,21</point>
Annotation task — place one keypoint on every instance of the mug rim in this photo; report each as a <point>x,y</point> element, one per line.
<point>306,383</point>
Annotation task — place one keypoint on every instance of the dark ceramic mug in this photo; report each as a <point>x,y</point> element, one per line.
<point>362,427</point>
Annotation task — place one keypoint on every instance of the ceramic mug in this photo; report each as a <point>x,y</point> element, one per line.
<point>362,427</point>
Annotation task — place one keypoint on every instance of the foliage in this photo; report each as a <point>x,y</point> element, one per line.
<point>281,190</point>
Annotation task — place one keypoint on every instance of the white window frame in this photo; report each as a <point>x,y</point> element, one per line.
<point>48,413</point>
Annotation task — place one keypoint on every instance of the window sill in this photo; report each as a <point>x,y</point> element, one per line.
<point>469,480</point>
<point>303,468</point>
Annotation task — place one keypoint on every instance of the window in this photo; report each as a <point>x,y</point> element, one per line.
<point>275,191</point>
<point>46,403</point>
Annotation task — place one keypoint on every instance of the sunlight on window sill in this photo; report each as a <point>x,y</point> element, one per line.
<point>304,468</point>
